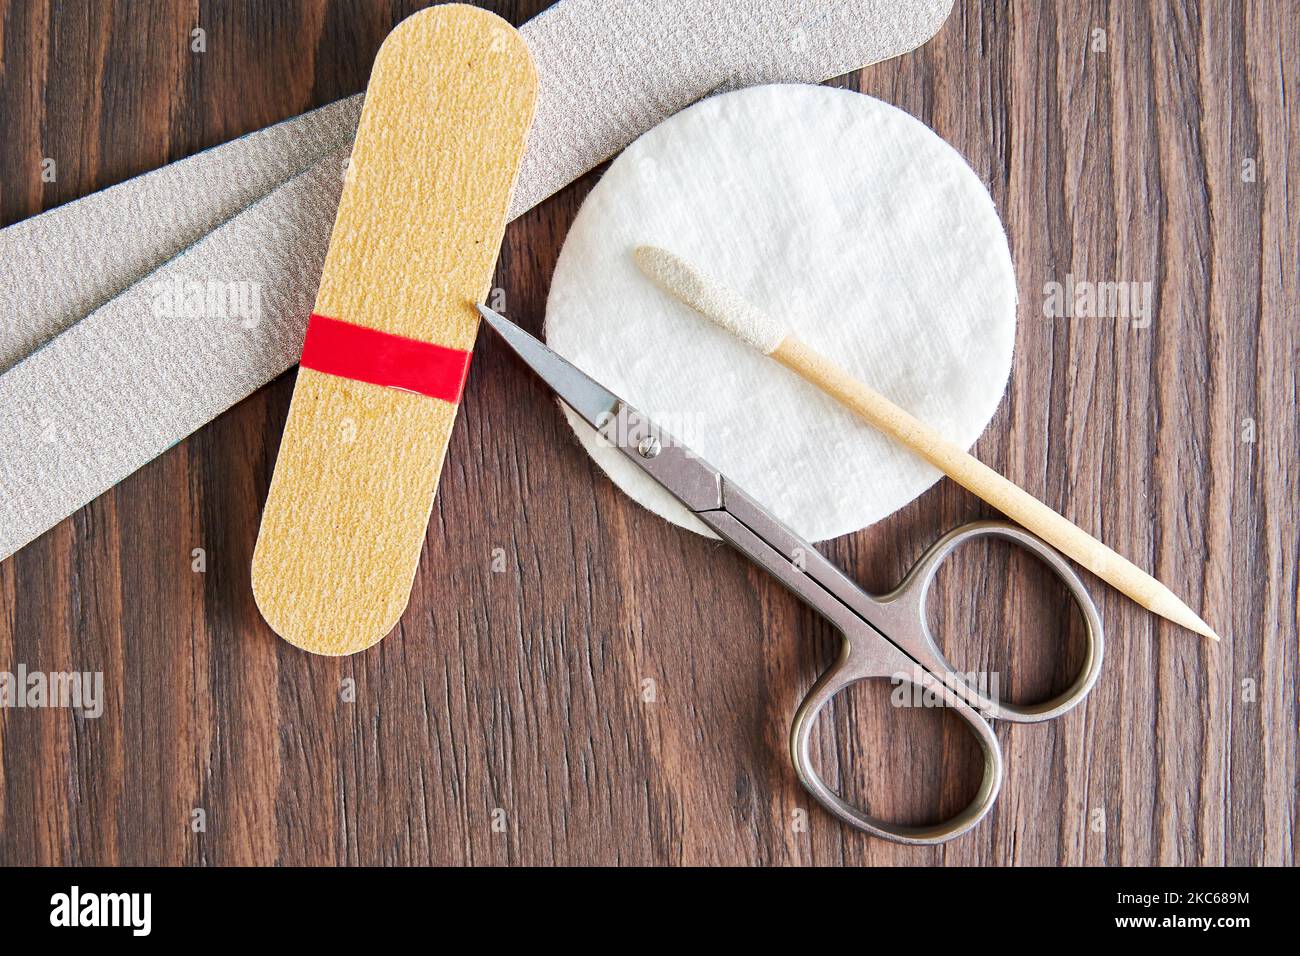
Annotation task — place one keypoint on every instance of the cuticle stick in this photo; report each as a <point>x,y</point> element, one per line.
<point>727,308</point>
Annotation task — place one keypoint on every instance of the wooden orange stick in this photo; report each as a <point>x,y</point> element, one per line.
<point>728,309</point>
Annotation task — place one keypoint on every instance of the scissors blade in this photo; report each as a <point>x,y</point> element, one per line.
<point>715,499</point>
<point>591,400</point>
<point>694,482</point>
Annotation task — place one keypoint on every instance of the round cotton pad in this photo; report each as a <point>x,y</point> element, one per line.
<point>844,218</point>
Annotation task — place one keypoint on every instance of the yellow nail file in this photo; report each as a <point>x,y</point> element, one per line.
<point>414,244</point>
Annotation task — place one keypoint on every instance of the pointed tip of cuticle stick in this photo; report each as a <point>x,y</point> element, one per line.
<point>712,299</point>
<point>1200,627</point>
<point>1173,609</point>
<point>1194,623</point>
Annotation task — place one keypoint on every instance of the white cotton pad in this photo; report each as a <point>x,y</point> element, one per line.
<point>841,217</point>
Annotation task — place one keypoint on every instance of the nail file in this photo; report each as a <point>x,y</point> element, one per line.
<point>386,351</point>
<point>91,396</point>
<point>60,266</point>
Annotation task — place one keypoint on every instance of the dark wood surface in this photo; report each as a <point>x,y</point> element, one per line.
<point>522,691</point>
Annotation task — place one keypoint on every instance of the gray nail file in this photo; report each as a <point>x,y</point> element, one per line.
<point>108,364</point>
<point>59,266</point>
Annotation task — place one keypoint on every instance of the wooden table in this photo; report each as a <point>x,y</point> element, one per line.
<point>507,720</point>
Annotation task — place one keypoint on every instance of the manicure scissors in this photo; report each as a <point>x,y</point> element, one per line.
<point>885,636</point>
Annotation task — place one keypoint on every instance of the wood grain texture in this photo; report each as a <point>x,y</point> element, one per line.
<point>519,696</point>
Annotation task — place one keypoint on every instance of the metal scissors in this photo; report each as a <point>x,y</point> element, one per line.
<point>885,636</point>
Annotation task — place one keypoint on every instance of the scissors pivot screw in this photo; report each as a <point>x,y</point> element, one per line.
<point>648,447</point>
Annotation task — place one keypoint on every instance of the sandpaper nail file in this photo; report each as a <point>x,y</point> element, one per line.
<point>58,267</point>
<point>419,226</point>
<point>97,394</point>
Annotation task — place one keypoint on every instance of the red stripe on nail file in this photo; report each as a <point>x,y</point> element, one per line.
<point>352,351</point>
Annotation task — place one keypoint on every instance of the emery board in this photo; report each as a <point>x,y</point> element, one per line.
<point>419,226</point>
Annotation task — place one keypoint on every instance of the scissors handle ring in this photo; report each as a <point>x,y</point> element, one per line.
<point>915,589</point>
<point>836,679</point>
<point>918,660</point>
